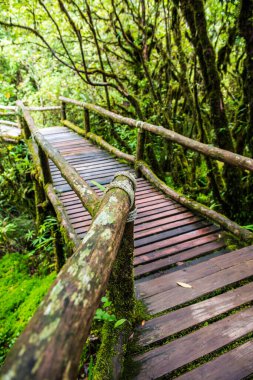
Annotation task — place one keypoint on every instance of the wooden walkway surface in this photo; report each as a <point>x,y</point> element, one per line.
<point>200,332</point>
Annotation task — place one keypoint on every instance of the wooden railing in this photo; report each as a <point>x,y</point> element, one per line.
<point>227,157</point>
<point>52,343</point>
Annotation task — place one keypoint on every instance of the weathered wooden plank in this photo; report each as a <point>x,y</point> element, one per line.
<point>87,172</point>
<point>172,356</point>
<point>174,240</point>
<point>162,264</point>
<point>89,175</point>
<point>168,281</point>
<point>145,227</point>
<point>80,165</point>
<point>169,233</point>
<point>173,225</point>
<point>200,287</point>
<point>157,215</point>
<point>147,213</point>
<point>162,327</point>
<point>234,365</point>
<point>176,249</point>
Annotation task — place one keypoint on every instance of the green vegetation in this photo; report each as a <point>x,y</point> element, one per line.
<point>21,293</point>
<point>26,252</point>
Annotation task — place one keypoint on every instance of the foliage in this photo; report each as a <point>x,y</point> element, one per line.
<point>15,182</point>
<point>104,313</point>
<point>42,245</point>
<point>20,294</point>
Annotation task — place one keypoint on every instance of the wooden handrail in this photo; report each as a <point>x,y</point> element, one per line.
<point>9,123</point>
<point>52,343</point>
<point>42,109</point>
<point>205,149</point>
<point>15,108</point>
<point>88,197</point>
<point>8,108</point>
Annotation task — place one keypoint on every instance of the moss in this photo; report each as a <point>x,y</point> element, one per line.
<point>104,368</point>
<point>20,295</point>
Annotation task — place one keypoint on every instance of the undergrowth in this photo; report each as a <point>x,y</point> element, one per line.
<point>20,293</point>
<point>26,252</point>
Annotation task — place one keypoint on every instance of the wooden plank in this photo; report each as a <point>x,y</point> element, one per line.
<point>52,130</point>
<point>103,165</point>
<point>145,227</point>
<point>175,240</point>
<point>170,357</point>
<point>88,175</point>
<point>233,365</point>
<point>167,227</point>
<point>167,281</point>
<point>169,233</point>
<point>200,287</point>
<point>193,253</point>
<point>149,215</point>
<point>175,249</point>
<point>162,327</point>
<point>71,143</point>
<point>157,215</point>
<point>156,208</point>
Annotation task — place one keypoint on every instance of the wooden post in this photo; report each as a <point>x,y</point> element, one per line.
<point>86,121</point>
<point>110,357</point>
<point>63,111</point>
<point>24,127</point>
<point>140,149</point>
<point>47,178</point>
<point>40,195</point>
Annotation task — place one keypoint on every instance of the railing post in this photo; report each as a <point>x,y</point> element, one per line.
<point>122,295</point>
<point>63,111</point>
<point>47,178</point>
<point>24,127</point>
<point>86,120</point>
<point>42,207</point>
<point>140,147</point>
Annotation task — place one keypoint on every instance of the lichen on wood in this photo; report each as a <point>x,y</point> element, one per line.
<point>51,345</point>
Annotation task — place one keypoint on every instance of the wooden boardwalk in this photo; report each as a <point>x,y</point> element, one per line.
<point>213,316</point>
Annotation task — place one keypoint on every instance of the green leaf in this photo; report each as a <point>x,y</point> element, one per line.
<point>119,322</point>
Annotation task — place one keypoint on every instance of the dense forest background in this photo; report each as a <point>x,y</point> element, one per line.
<point>185,65</point>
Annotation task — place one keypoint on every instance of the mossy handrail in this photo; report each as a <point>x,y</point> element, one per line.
<point>231,158</point>
<point>205,149</point>
<point>14,109</point>
<point>52,343</point>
